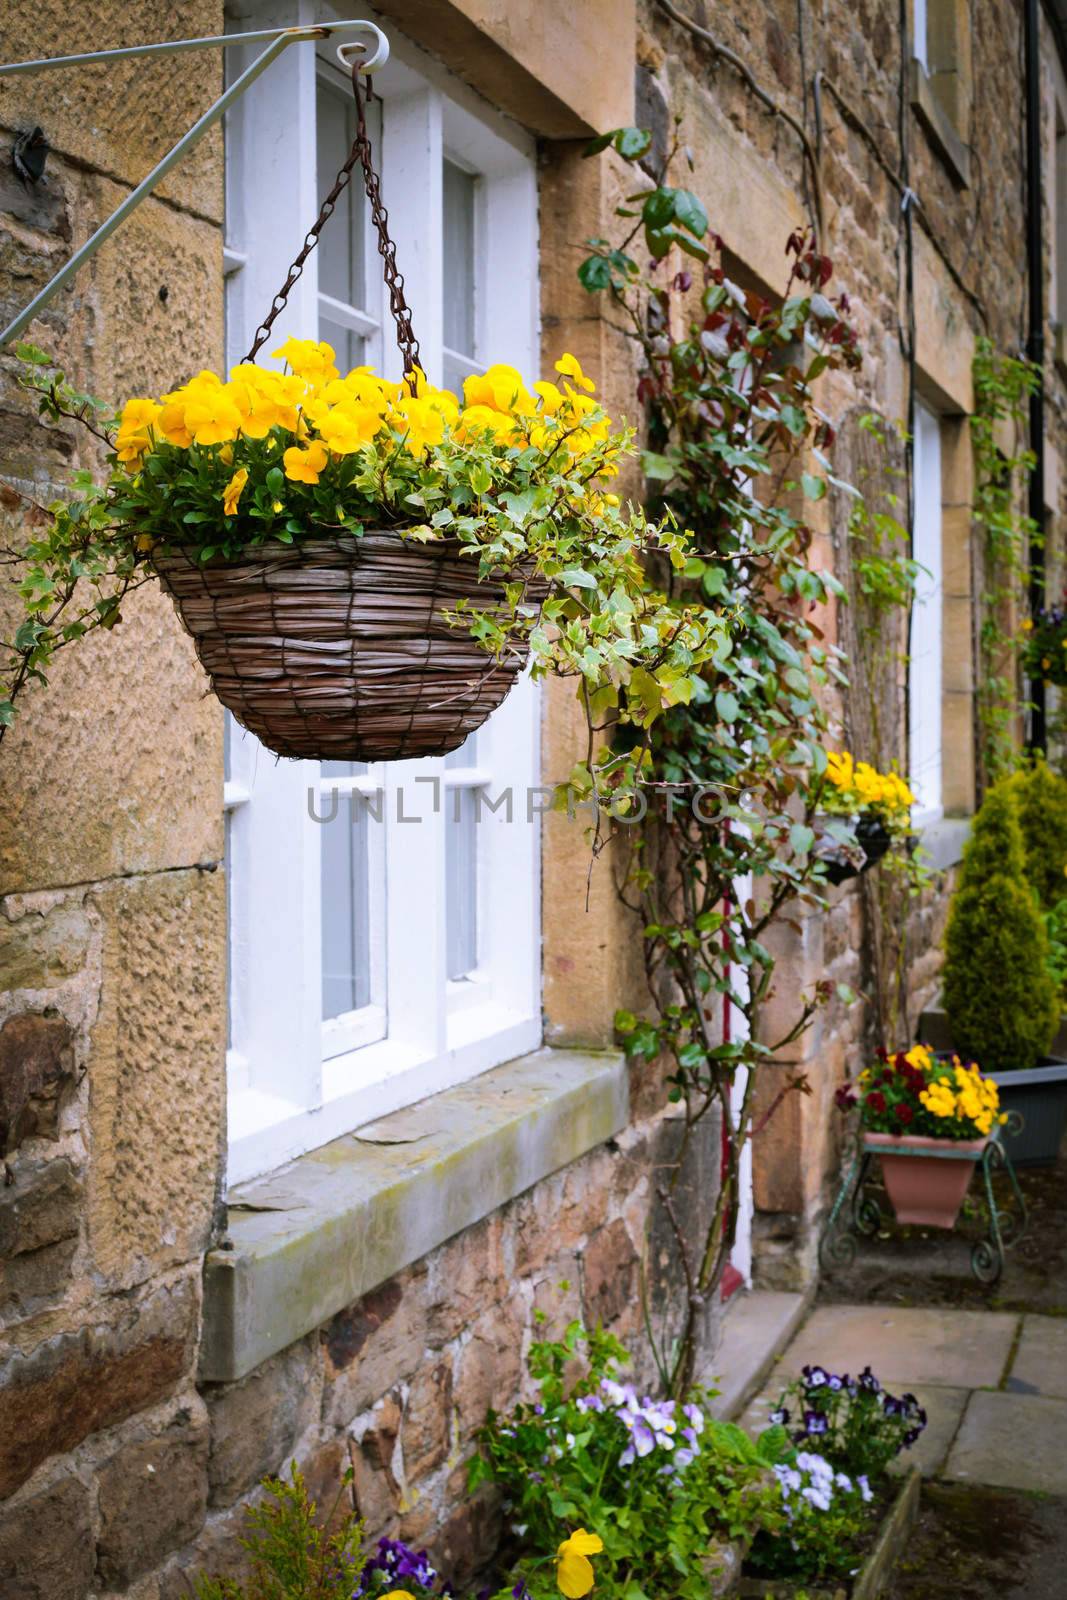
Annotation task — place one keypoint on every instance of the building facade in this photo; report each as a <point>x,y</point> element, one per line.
<point>309,1089</point>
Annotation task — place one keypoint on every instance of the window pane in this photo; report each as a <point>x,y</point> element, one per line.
<point>460,281</point>
<point>461,868</point>
<point>345,896</point>
<point>342,253</point>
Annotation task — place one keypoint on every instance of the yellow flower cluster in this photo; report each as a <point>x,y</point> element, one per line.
<point>858,781</point>
<point>331,416</point>
<point>962,1092</point>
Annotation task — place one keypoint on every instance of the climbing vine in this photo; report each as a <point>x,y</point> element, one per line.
<point>1002,388</point>
<point>726,841</point>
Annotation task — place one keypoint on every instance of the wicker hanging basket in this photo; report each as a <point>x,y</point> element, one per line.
<point>337,647</point>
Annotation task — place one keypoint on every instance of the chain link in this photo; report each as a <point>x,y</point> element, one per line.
<point>394,282</point>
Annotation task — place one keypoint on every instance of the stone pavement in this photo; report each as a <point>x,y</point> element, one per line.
<point>994,1384</point>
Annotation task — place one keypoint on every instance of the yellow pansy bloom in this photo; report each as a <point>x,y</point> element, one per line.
<point>571,368</point>
<point>232,492</point>
<point>574,1571</point>
<point>211,415</point>
<point>484,419</point>
<point>134,438</point>
<point>304,464</point>
<point>501,388</point>
<point>348,428</point>
<point>309,359</point>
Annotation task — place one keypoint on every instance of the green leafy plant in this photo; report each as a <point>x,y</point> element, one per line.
<point>1002,388</point>
<point>1002,1004</point>
<point>659,1480</point>
<point>293,1555</point>
<point>1040,797</point>
<point>520,477</point>
<point>736,453</point>
<point>856,1424</point>
<point>1055,920</point>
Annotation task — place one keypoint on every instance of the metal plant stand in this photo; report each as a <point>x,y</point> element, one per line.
<point>857,1214</point>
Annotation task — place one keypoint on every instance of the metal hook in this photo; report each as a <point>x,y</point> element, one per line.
<point>373,62</point>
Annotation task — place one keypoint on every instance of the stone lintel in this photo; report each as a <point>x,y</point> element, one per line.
<point>319,1233</point>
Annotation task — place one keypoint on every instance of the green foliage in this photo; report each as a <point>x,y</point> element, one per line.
<point>293,1555</point>
<point>856,1424</point>
<point>1002,388</point>
<point>825,1537</point>
<point>1001,1002</point>
<point>736,453</point>
<point>1040,797</point>
<point>529,501</point>
<point>657,1481</point>
<point>1055,920</point>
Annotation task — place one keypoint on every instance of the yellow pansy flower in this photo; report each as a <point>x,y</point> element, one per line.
<point>232,492</point>
<point>134,437</point>
<point>501,388</point>
<point>309,358</point>
<point>304,464</point>
<point>211,415</point>
<point>574,1570</point>
<point>348,428</point>
<point>571,368</point>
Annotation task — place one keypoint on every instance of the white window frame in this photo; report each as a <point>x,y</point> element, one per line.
<point>920,31</point>
<point>294,1082</point>
<point>926,642</point>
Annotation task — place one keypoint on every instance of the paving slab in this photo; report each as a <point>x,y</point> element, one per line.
<point>943,1407</point>
<point>1012,1441</point>
<point>758,1325</point>
<point>908,1345</point>
<point>1040,1365</point>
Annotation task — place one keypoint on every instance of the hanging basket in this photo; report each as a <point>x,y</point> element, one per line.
<point>338,648</point>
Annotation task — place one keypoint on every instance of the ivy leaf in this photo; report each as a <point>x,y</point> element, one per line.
<point>575,578</point>
<point>658,208</point>
<point>690,212</point>
<point>595,273</point>
<point>601,142</point>
<point>632,143</point>
<point>726,705</point>
<point>814,488</point>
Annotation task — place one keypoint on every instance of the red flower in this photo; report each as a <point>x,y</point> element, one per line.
<point>876,1100</point>
<point>904,1113</point>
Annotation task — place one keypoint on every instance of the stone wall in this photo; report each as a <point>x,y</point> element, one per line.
<point>118,1473</point>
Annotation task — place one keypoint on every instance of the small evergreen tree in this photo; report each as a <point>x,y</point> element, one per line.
<point>295,1552</point>
<point>1002,1003</point>
<point>1040,798</point>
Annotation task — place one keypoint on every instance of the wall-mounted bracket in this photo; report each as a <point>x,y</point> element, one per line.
<point>375,53</point>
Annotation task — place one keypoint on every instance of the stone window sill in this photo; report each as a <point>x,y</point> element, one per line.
<point>943,839</point>
<point>312,1238</point>
<point>940,127</point>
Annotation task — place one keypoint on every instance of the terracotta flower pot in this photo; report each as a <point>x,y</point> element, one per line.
<point>926,1189</point>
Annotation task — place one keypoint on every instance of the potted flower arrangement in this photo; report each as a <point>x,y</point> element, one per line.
<point>868,812</point>
<point>1044,652</point>
<point>365,565</point>
<point>847,1433</point>
<point>917,1109</point>
<point>672,1496</point>
<point>1001,1000</point>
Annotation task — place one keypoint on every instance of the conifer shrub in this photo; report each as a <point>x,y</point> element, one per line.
<point>1001,1001</point>
<point>1040,797</point>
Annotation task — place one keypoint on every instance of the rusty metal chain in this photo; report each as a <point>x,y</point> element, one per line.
<point>394,282</point>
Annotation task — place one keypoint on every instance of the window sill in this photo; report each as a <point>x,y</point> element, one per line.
<point>312,1238</point>
<point>943,839</point>
<point>940,127</point>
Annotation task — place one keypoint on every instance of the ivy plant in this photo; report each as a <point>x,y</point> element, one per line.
<point>737,452</point>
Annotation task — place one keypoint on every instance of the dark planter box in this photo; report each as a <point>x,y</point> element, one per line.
<point>1038,1094</point>
<point>873,1576</point>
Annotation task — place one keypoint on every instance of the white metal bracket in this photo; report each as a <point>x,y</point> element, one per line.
<point>374,53</point>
